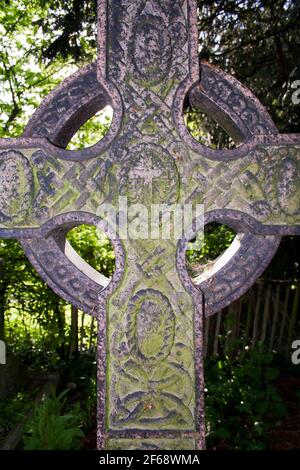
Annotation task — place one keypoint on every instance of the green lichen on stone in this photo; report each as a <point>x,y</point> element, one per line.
<point>149,126</point>
<point>167,86</point>
<point>152,384</point>
<point>151,444</point>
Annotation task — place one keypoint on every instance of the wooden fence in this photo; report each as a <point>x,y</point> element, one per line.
<point>267,313</point>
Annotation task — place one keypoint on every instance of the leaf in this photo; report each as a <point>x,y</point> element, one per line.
<point>223,433</point>
<point>271,373</point>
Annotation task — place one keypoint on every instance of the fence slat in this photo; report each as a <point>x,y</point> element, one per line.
<point>217,332</point>
<point>206,334</point>
<point>293,319</point>
<point>266,314</point>
<point>256,317</point>
<point>284,315</point>
<point>275,317</point>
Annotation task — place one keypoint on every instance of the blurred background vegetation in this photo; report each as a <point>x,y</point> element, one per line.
<point>41,43</point>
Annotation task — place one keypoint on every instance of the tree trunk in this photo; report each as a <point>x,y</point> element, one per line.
<point>2,312</point>
<point>61,323</point>
<point>3,287</point>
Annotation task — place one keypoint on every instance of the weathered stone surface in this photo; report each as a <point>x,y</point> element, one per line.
<point>16,183</point>
<point>150,370</point>
<point>152,444</point>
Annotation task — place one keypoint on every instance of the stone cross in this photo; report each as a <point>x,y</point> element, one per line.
<point>150,316</point>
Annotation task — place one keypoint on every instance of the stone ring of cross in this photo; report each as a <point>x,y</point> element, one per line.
<point>150,314</point>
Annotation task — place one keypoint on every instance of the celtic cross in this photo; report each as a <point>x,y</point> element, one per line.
<point>150,316</point>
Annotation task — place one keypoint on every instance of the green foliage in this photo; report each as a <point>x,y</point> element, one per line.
<point>217,238</point>
<point>75,25</point>
<point>92,131</point>
<point>206,130</point>
<point>82,371</point>
<point>242,402</point>
<point>258,42</point>
<point>25,77</point>
<point>36,320</point>
<point>285,264</point>
<point>43,41</point>
<point>34,315</point>
<point>94,247</point>
<point>12,409</point>
<point>49,429</point>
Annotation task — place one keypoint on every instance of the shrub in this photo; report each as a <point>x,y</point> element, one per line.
<point>49,429</point>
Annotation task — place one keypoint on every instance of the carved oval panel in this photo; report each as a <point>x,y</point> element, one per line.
<point>151,326</point>
<point>16,186</point>
<point>287,186</point>
<point>151,49</point>
<point>151,176</point>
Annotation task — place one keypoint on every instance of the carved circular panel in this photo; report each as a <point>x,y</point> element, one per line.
<point>16,183</point>
<point>150,176</point>
<point>151,50</point>
<point>151,326</point>
<point>288,172</point>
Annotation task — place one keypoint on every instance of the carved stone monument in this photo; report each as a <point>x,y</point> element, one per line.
<point>150,316</point>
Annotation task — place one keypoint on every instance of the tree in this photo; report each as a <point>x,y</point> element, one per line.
<point>44,41</point>
<point>259,43</point>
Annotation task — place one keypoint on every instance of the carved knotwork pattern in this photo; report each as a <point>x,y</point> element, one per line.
<point>234,98</point>
<point>50,120</point>
<point>154,386</point>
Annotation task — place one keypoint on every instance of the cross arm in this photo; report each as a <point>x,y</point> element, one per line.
<point>38,182</point>
<point>262,184</point>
